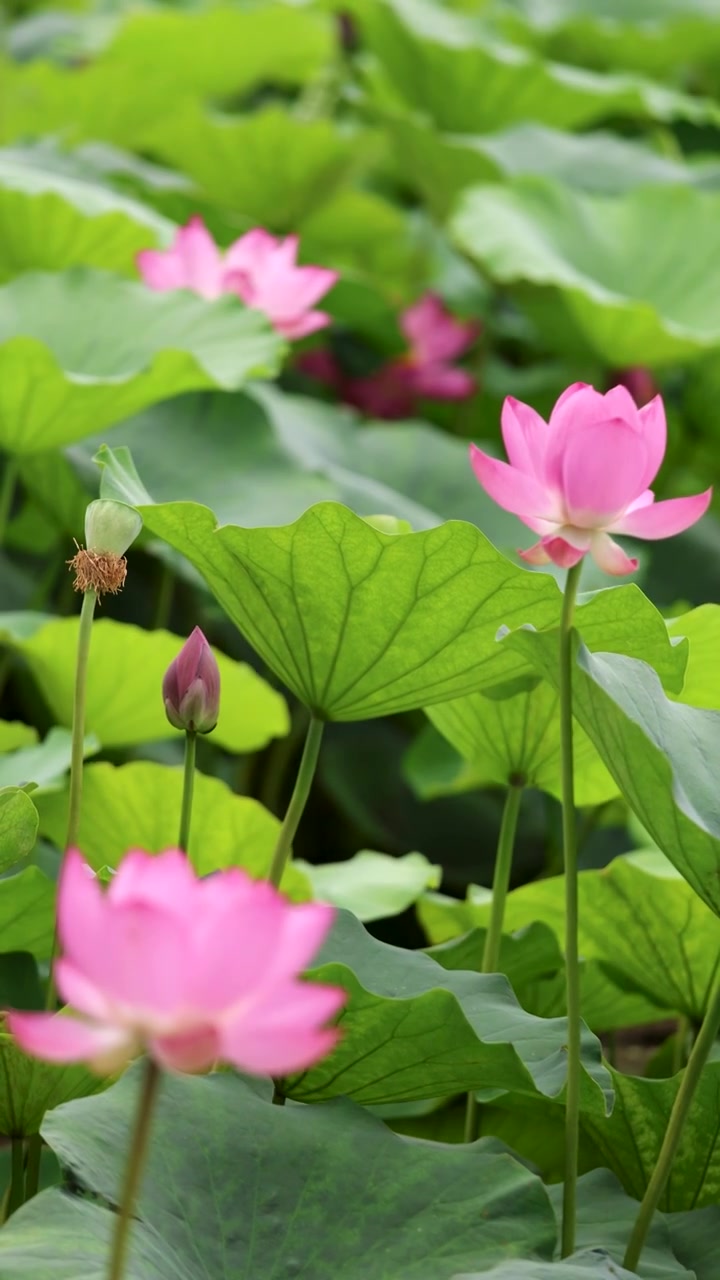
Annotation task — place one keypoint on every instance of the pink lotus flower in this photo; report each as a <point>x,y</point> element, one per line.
<point>191,971</point>
<point>191,686</point>
<point>434,338</point>
<point>585,475</point>
<point>261,269</point>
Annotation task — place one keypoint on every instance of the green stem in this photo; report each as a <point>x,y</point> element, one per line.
<point>681,1106</point>
<point>77,752</point>
<point>32,1165</point>
<point>164,598</point>
<point>134,1171</point>
<point>10,471</point>
<point>17,1175</point>
<point>572,961</point>
<point>493,938</point>
<point>680,1039</point>
<point>298,800</point>
<point>188,786</point>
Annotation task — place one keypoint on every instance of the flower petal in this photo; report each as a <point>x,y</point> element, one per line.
<point>513,490</point>
<point>285,1034</point>
<point>433,334</point>
<point>58,1038</point>
<point>563,553</point>
<point>602,469</point>
<point>654,430</point>
<point>610,557</point>
<point>301,326</point>
<point>81,911</point>
<point>164,880</point>
<point>196,250</point>
<point>663,519</point>
<point>195,1050</point>
<point>524,434</point>
<point>160,270</point>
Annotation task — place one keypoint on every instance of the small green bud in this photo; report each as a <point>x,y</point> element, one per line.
<point>110,527</point>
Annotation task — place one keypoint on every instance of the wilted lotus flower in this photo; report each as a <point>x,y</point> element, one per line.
<point>191,687</point>
<point>191,971</point>
<point>585,475</point>
<point>423,372</point>
<point>259,268</point>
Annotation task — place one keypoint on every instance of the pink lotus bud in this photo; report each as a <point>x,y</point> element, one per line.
<point>191,687</point>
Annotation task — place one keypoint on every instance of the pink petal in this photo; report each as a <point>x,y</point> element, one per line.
<point>81,910</point>
<point>305,928</point>
<point>285,1034</point>
<point>602,469</point>
<point>645,500</point>
<point>160,270</point>
<point>234,948</point>
<point>302,326</point>
<point>618,403</point>
<point>663,519</point>
<point>524,434</point>
<point>142,963</point>
<point>513,490</point>
<point>570,391</point>
<point>195,248</point>
<point>563,553</point>
<point>78,990</point>
<point>58,1038</point>
<point>536,554</point>
<point>434,334</point>
<point>252,251</point>
<point>610,557</point>
<point>654,431</point>
<point>190,1051</point>
<point>163,880</point>
<point>442,382</point>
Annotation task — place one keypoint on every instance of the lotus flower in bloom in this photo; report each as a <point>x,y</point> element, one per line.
<point>584,475</point>
<point>191,686</point>
<point>425,371</point>
<point>261,269</point>
<point>193,971</point>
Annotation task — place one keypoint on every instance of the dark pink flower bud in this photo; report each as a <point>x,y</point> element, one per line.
<point>191,686</point>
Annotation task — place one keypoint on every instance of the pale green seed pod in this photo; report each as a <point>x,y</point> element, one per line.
<point>110,527</point>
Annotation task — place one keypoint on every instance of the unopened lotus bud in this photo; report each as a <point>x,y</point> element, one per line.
<point>110,528</point>
<point>191,687</point>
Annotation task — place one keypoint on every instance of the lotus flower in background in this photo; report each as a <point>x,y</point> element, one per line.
<point>434,337</point>
<point>259,268</point>
<point>191,687</point>
<point>584,475</point>
<point>193,971</point>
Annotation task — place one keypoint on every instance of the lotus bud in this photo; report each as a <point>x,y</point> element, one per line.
<point>110,528</point>
<point>191,687</point>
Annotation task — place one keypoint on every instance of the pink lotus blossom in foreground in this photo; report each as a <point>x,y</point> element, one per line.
<point>191,686</point>
<point>585,475</point>
<point>192,971</point>
<point>258,267</point>
<point>425,371</point>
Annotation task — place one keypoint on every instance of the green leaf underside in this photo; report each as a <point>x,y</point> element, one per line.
<point>18,826</point>
<point>124,698</point>
<point>137,806</point>
<point>660,753</point>
<point>80,350</point>
<point>301,1207</point>
<point>638,918</point>
<point>359,623</point>
<point>413,1030</point>
<point>372,885</point>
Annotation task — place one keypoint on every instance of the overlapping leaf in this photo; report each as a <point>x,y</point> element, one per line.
<point>301,1205</point>
<point>83,349</point>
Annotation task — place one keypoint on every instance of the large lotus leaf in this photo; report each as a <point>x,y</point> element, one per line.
<point>588,1264</point>
<point>695,1237</point>
<point>49,220</point>
<point>441,165</point>
<point>669,36</point>
<point>518,738</point>
<point>434,61</point>
<point>638,917</point>
<point>137,806</point>
<point>298,1205</point>
<point>18,826</point>
<point>83,349</point>
<point>629,1141</point>
<point>701,627</point>
<point>45,763</point>
<point>224,49</point>
<point>413,1030</point>
<point>372,885</point>
<point>124,686</point>
<point>526,956</point>
<point>14,734</point>
<point>583,260</point>
<point>268,456</point>
<point>360,623</point>
<point>27,913</point>
<point>366,238</point>
<point>662,754</point>
<point>234,160</point>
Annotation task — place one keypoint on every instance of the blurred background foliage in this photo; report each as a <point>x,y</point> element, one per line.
<point>551,168</point>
